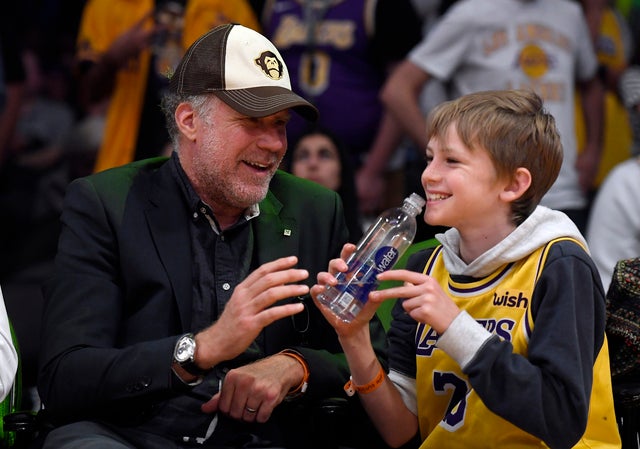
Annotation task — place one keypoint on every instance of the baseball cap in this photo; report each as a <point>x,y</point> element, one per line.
<point>242,68</point>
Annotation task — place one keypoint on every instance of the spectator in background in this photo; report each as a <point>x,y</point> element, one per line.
<point>32,181</point>
<point>34,174</point>
<point>319,156</point>
<point>8,354</point>
<point>125,49</point>
<point>113,64</point>
<point>339,54</point>
<point>613,46</point>
<point>543,45</point>
<point>45,114</point>
<point>613,232</point>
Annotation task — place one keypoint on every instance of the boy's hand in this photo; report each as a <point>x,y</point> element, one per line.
<point>425,301</point>
<point>343,329</point>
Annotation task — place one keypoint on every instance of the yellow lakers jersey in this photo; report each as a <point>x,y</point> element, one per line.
<point>451,414</point>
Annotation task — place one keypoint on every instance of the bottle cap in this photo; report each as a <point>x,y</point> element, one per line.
<point>415,200</point>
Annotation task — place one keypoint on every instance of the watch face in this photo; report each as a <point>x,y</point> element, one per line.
<point>185,349</point>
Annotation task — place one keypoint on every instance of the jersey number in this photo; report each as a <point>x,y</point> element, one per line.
<point>444,381</point>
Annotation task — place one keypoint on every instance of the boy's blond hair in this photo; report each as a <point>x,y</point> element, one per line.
<point>516,131</point>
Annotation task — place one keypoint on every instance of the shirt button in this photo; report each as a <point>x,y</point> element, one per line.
<point>195,215</point>
<point>226,286</point>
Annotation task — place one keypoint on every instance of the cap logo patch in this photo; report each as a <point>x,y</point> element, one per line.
<point>270,65</point>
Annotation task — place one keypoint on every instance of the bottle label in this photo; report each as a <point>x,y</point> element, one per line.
<point>364,279</point>
<point>385,258</point>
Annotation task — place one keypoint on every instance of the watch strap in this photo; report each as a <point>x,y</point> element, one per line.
<point>184,376</point>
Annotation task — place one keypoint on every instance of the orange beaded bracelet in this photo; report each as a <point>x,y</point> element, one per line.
<point>351,388</point>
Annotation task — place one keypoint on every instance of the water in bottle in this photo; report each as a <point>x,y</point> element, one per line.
<point>382,245</point>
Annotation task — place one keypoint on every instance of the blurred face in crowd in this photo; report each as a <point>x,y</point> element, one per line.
<point>315,157</point>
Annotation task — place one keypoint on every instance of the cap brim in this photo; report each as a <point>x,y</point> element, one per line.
<point>267,100</point>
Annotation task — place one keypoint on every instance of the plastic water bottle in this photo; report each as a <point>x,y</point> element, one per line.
<point>382,245</point>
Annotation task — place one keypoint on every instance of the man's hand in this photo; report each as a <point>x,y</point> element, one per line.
<point>250,309</point>
<point>251,392</point>
<point>424,300</point>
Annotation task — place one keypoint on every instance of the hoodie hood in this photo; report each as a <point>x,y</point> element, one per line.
<point>542,226</point>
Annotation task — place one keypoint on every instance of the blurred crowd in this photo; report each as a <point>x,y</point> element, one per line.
<point>80,82</point>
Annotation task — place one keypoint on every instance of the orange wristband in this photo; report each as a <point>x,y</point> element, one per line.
<point>300,389</point>
<point>351,388</point>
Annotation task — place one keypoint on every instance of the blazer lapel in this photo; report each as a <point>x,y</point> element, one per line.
<point>168,223</point>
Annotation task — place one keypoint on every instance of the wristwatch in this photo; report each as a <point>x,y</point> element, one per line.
<point>184,353</point>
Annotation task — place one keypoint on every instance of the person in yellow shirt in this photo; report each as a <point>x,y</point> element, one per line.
<point>118,43</point>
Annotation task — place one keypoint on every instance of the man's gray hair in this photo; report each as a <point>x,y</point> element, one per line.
<point>169,104</point>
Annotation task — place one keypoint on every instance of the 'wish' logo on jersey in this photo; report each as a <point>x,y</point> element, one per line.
<point>507,299</point>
